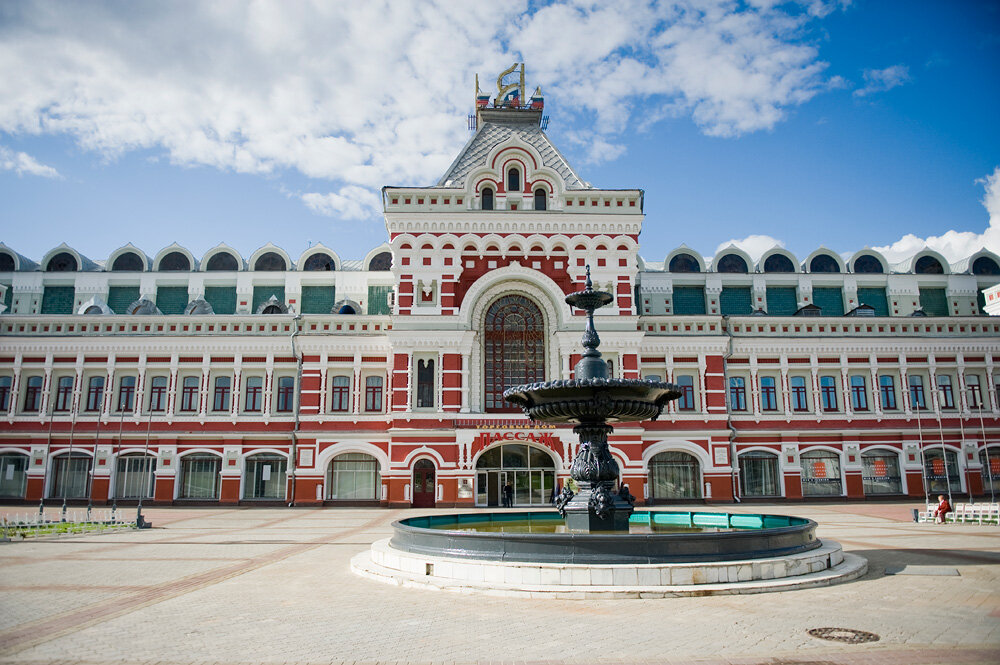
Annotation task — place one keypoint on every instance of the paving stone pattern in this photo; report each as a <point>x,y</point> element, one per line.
<point>263,585</point>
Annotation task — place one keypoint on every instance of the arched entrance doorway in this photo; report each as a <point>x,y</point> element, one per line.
<point>423,484</point>
<point>530,470</point>
<point>674,475</point>
<point>513,348</point>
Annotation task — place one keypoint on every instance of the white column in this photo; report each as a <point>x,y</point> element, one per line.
<point>905,385</point>
<point>234,403</point>
<point>466,378</point>
<point>845,381</point>
<point>876,392</point>
<point>963,397</point>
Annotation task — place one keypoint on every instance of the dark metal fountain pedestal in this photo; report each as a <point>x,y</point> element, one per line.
<point>591,400</point>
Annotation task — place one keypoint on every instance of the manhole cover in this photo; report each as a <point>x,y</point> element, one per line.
<point>848,635</point>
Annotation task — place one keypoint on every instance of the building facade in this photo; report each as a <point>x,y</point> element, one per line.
<point>313,379</point>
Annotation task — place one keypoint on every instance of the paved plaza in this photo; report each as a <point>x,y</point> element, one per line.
<point>268,585</point>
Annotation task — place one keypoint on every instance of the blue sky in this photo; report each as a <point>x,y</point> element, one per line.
<point>810,123</point>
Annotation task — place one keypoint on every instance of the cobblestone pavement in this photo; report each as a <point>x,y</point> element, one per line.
<point>263,585</point>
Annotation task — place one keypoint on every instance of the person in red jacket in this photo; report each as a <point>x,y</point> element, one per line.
<point>943,509</point>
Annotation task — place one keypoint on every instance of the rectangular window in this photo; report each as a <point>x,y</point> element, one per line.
<point>875,298</point>
<point>64,393</point>
<point>971,385</point>
<point>255,389</point>
<point>221,298</point>
<point>828,392</point>
<point>686,401</point>
<point>737,394</point>
<point>126,393</point>
<point>33,393</point>
<point>158,393</point>
<point>688,300</point>
<point>830,299</point>
<point>735,301</point>
<point>425,383</point>
<point>945,392</point>
<point>58,300</point>
<point>261,294</point>
<point>859,393</point>
<point>887,389</point>
<point>373,393</point>
<point>220,396</point>
<point>172,299</point>
<point>318,299</point>
<point>189,393</point>
<point>378,300</point>
<point>768,394</point>
<point>800,398</point>
<point>286,394</point>
<point>341,394</point>
<point>934,302</point>
<point>120,297</point>
<point>95,393</point>
<point>781,300</point>
<point>917,392</point>
<point>5,383</point>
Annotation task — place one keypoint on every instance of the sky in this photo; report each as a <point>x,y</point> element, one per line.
<point>805,124</point>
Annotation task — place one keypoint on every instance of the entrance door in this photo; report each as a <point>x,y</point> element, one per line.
<point>423,484</point>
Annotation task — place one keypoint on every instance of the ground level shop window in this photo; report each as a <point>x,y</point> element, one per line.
<point>881,473</point>
<point>529,470</point>
<point>265,477</point>
<point>70,476</point>
<point>941,471</point>
<point>13,475</point>
<point>821,474</point>
<point>134,477</point>
<point>353,477</point>
<point>990,459</point>
<point>200,477</point>
<point>674,475</point>
<point>759,474</point>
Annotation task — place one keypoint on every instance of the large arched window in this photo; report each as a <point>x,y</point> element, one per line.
<point>881,472</point>
<point>514,348</point>
<point>319,261</point>
<point>984,265</point>
<point>7,262</point>
<point>222,262</point>
<point>487,196</point>
<point>821,473</point>
<point>13,475</point>
<point>684,263</point>
<point>70,476</point>
<point>759,474</point>
<point>928,265</point>
<point>674,475</point>
<point>175,261</point>
<point>200,477</point>
<point>353,477</point>
<point>778,263</point>
<point>866,263</point>
<point>62,262</point>
<point>270,261</point>
<point>265,477</point>
<point>731,263</point>
<point>529,470</point>
<point>381,261</point>
<point>942,471</point>
<point>135,477</point>
<point>990,459</point>
<point>127,262</point>
<point>824,263</point>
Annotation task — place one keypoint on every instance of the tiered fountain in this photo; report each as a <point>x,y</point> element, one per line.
<point>597,544</point>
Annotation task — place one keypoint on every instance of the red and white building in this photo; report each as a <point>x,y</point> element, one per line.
<point>313,379</point>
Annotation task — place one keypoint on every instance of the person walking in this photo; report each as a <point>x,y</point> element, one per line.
<point>508,495</point>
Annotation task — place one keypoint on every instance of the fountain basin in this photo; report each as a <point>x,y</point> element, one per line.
<point>722,537</point>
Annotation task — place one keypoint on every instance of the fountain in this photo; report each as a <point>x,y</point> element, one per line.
<point>598,545</point>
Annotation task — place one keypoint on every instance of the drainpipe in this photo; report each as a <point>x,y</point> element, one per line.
<point>297,320</point>
<point>729,410</point>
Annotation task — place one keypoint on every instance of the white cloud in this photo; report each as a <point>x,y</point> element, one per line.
<point>22,163</point>
<point>754,245</point>
<point>370,93</point>
<point>956,245</point>
<point>351,202</point>
<point>880,80</point>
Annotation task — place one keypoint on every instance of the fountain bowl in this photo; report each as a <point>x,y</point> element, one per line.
<point>592,400</point>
